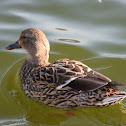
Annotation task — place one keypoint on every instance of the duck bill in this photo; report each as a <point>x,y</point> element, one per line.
<point>13,46</point>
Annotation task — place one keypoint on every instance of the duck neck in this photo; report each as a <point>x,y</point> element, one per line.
<point>40,59</point>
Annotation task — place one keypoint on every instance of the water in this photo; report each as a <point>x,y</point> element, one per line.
<point>84,30</point>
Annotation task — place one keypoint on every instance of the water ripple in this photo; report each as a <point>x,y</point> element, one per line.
<point>69,40</point>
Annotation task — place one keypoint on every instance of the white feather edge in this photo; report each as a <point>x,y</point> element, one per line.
<point>67,82</point>
<point>111,99</point>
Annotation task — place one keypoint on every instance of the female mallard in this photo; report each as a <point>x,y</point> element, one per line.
<point>63,83</point>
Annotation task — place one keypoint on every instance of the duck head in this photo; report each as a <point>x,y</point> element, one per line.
<point>35,43</point>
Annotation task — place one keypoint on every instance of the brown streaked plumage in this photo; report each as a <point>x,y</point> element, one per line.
<point>63,83</point>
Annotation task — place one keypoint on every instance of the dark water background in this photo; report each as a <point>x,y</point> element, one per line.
<point>84,30</point>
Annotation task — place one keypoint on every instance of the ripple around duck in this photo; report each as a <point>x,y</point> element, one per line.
<point>13,122</point>
<point>62,29</point>
<point>68,40</point>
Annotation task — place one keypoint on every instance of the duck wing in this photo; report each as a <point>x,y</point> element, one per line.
<point>87,82</point>
<point>77,76</point>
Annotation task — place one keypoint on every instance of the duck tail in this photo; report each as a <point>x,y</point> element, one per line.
<point>117,83</point>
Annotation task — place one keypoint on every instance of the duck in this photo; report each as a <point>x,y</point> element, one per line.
<point>64,83</point>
